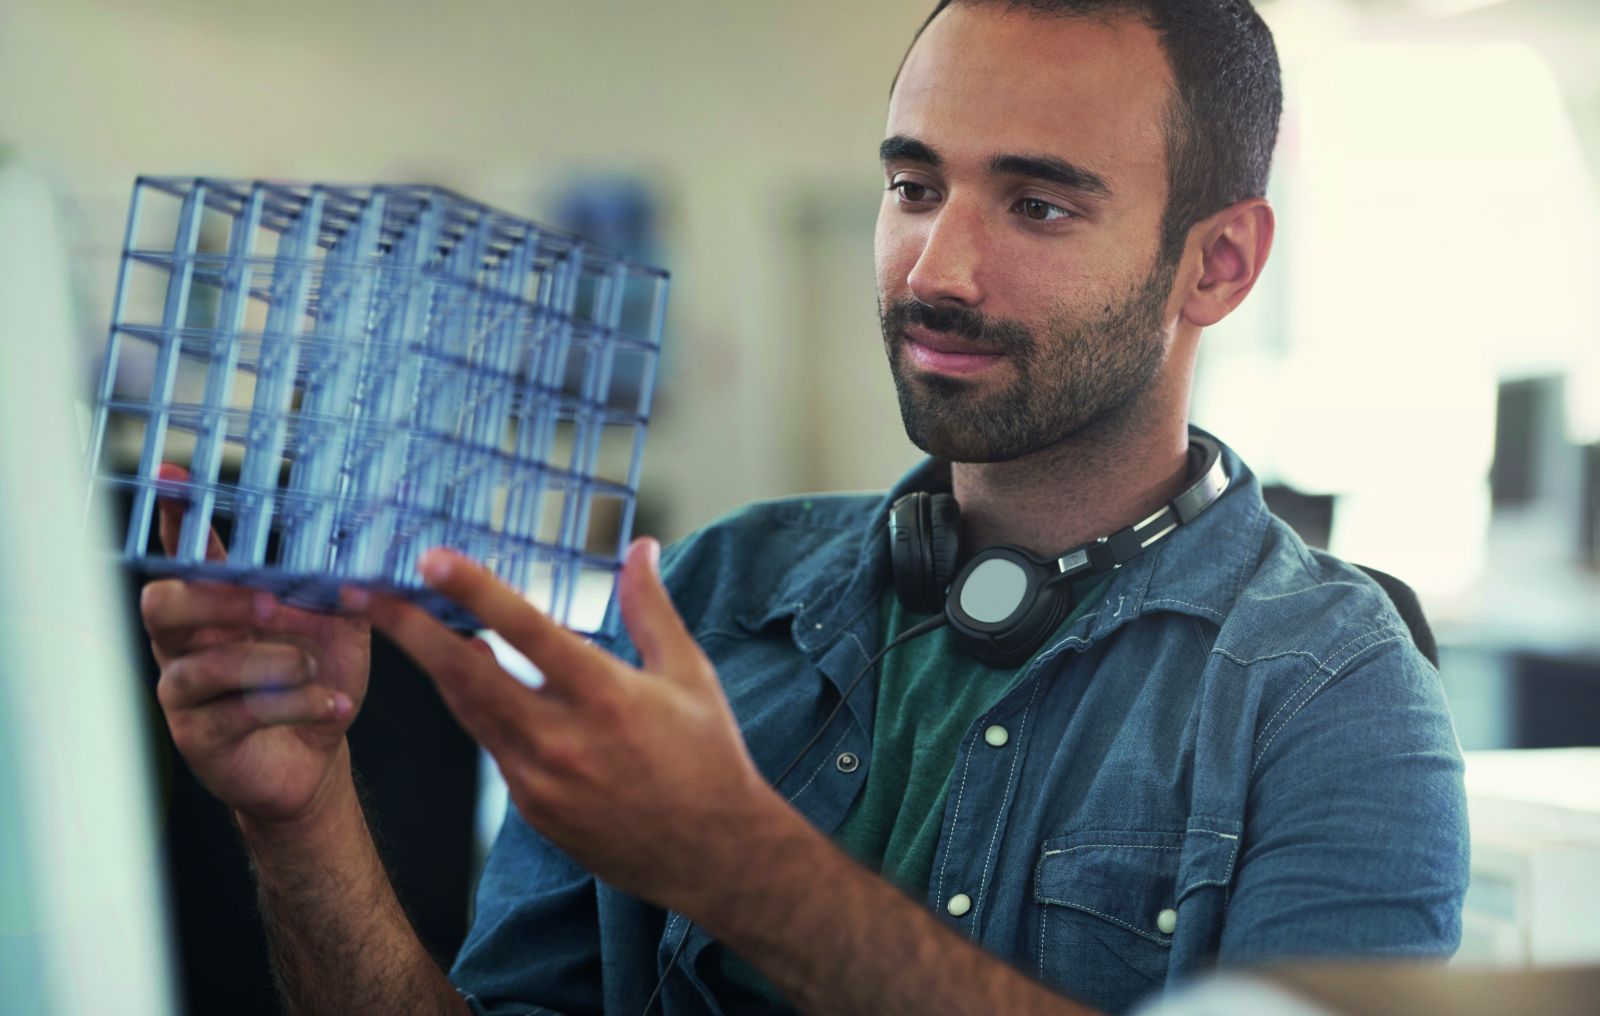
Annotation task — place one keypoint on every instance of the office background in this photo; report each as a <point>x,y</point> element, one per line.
<point>1417,374</point>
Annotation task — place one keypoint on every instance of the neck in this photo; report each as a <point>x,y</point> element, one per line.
<point>1090,485</point>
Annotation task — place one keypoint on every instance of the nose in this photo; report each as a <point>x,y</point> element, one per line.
<point>946,270</point>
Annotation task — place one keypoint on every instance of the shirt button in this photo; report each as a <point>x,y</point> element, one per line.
<point>1167,921</point>
<point>847,762</point>
<point>997,736</point>
<point>959,904</point>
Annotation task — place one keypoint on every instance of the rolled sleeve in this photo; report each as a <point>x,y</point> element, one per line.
<point>534,946</point>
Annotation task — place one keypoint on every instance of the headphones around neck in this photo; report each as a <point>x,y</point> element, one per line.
<point>1004,603</point>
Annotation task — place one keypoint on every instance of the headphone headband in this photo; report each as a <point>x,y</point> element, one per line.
<point>1111,552</point>
<point>1006,601</point>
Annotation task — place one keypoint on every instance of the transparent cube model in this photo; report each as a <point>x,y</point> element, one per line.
<point>352,375</point>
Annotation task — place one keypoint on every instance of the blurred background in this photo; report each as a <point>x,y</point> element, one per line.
<point>1417,376</point>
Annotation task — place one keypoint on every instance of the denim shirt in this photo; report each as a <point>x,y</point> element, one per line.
<point>1238,757</point>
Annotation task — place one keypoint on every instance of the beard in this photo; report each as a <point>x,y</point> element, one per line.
<point>1075,376</point>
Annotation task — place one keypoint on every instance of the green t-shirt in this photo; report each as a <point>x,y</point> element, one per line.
<point>929,695</point>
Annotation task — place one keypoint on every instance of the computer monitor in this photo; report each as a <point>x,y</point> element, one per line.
<point>82,921</point>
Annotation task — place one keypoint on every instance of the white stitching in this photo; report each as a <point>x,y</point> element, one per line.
<point>722,633</point>
<point>823,765</point>
<point>1169,600</point>
<point>1387,629</point>
<point>1321,667</point>
<point>1262,753</point>
<point>1119,846</point>
<point>1325,668</point>
<point>1158,939</point>
<point>810,526</point>
<point>955,818</point>
<point>1321,664</point>
<point>861,647</point>
<point>1044,915</point>
<point>1335,654</point>
<point>1000,821</point>
<point>1058,649</point>
<point>1265,727</point>
<point>1219,651</point>
<point>1227,876</point>
<point>1257,524</point>
<point>672,922</point>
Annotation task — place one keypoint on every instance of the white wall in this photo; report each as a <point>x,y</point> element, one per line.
<point>751,119</point>
<point>733,111</point>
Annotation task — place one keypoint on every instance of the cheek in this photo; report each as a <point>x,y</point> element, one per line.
<point>1072,280</point>
<point>894,253</point>
<point>1039,285</point>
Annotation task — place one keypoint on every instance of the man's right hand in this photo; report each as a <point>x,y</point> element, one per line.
<point>258,695</point>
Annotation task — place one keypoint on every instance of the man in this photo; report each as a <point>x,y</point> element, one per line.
<point>1228,751</point>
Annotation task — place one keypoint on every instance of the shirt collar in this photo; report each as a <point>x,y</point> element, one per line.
<point>1199,569</point>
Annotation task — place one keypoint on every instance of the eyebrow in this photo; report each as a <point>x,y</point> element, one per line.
<point>900,148</point>
<point>1056,171</point>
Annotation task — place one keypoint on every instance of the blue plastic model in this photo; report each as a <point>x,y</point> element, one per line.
<point>352,375</point>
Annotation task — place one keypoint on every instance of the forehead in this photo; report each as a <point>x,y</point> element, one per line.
<point>983,80</point>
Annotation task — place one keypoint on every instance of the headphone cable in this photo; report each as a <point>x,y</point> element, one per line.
<point>915,631</point>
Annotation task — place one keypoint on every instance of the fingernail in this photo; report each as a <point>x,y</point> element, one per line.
<point>435,566</point>
<point>354,598</point>
<point>652,552</point>
<point>340,705</point>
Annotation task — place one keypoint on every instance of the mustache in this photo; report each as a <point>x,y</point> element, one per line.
<point>963,322</point>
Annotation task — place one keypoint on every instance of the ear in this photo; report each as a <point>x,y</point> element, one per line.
<point>1234,244</point>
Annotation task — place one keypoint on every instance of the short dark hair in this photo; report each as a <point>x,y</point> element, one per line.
<point>1223,123</point>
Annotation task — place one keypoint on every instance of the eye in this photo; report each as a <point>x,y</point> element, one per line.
<point>1040,210</point>
<point>912,192</point>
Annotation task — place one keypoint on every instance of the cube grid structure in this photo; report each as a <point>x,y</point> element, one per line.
<point>354,374</point>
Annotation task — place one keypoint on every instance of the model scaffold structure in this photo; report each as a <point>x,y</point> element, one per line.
<point>352,375</point>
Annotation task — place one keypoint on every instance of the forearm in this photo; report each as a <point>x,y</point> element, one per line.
<point>339,939</point>
<point>835,938</point>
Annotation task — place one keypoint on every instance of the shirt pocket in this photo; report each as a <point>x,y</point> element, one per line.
<point>1107,900</point>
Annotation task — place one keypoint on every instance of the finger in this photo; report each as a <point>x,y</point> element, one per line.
<point>172,608</point>
<point>172,510</point>
<point>232,668</point>
<point>492,705</point>
<point>647,611</point>
<point>226,720</point>
<point>568,663</point>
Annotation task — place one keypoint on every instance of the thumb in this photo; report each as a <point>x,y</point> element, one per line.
<point>647,611</point>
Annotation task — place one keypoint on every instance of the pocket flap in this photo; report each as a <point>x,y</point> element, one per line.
<point>1127,877</point>
<point>1209,853</point>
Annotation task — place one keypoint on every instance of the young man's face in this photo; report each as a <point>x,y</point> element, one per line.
<point>1018,281</point>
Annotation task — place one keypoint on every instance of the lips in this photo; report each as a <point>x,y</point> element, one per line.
<point>943,353</point>
<point>945,342</point>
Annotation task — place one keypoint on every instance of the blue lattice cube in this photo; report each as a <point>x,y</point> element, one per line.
<point>353,375</point>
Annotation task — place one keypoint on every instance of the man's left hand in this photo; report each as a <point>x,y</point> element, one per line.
<point>639,774</point>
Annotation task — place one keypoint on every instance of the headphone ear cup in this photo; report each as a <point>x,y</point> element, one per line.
<point>1009,621</point>
<point>911,552</point>
<point>944,540</point>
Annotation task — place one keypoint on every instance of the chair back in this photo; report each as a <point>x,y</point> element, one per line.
<point>1405,601</point>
